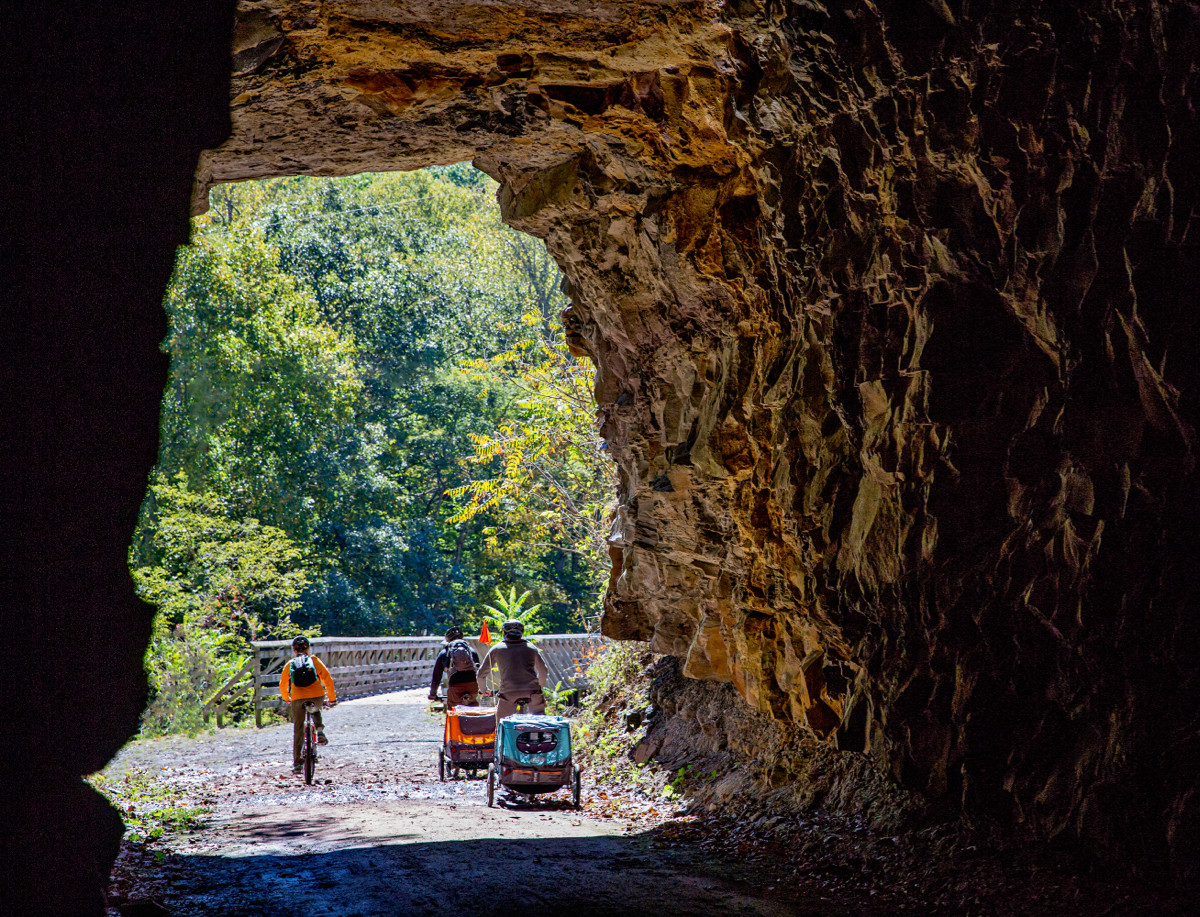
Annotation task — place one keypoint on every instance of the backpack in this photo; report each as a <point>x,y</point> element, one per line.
<point>459,657</point>
<point>304,673</point>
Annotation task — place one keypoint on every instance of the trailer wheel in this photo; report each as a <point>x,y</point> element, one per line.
<point>441,767</point>
<point>576,786</point>
<point>491,785</point>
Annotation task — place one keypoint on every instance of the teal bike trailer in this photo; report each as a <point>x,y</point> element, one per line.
<point>533,755</point>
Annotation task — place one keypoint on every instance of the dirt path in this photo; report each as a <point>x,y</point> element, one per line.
<point>382,835</point>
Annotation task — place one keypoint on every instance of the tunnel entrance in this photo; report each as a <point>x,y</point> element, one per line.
<point>372,426</point>
<point>341,350</point>
<point>751,206</point>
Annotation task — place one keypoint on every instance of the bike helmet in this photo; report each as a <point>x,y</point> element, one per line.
<point>454,633</point>
<point>512,630</point>
<point>300,644</point>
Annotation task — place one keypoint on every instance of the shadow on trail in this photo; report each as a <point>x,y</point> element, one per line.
<point>379,834</point>
<point>536,804</point>
<point>576,877</point>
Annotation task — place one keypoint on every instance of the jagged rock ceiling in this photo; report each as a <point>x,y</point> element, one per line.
<point>894,315</point>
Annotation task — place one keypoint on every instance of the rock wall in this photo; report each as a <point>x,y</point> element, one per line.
<point>893,312</point>
<point>737,760</point>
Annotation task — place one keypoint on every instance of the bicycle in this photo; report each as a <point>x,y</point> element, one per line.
<point>520,705</point>
<point>308,750</point>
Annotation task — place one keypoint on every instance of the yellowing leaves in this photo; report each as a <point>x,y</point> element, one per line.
<point>549,476</point>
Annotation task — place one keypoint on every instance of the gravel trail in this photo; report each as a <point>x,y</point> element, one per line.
<point>379,834</point>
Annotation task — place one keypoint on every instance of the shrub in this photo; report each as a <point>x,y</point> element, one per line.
<point>618,678</point>
<point>149,806</point>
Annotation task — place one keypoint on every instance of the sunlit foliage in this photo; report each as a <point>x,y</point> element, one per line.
<point>541,472</point>
<point>218,582</point>
<point>371,422</point>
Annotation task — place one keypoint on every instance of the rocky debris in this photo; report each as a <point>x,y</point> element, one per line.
<point>841,866</point>
<point>800,837</point>
<point>381,834</point>
<point>728,754</point>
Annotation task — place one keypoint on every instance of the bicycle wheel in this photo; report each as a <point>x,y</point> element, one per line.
<point>310,751</point>
<point>576,787</point>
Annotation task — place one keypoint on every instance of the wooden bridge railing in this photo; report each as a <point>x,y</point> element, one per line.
<point>369,665</point>
<point>567,656</point>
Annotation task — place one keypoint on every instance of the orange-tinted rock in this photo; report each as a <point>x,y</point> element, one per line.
<point>893,312</point>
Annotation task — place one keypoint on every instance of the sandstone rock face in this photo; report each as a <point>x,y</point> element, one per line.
<point>742,757</point>
<point>894,313</point>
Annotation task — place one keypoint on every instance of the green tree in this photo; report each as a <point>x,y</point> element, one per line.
<point>338,348</point>
<point>219,583</point>
<point>260,383</point>
<point>541,476</point>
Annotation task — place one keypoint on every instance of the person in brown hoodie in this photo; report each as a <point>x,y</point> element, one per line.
<point>521,669</point>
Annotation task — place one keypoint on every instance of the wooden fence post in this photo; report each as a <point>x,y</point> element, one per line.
<point>257,687</point>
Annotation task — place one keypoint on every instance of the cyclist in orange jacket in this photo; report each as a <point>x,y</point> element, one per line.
<point>303,679</point>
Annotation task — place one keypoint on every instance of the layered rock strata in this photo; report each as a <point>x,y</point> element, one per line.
<point>893,315</point>
<point>732,756</point>
<point>894,320</point>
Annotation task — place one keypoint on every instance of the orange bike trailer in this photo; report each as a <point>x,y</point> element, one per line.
<point>469,741</point>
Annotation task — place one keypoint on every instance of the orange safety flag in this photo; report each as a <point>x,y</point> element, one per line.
<point>484,637</point>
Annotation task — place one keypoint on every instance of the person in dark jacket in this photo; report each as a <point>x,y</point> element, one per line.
<point>457,658</point>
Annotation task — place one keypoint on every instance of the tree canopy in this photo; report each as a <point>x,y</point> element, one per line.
<point>372,421</point>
